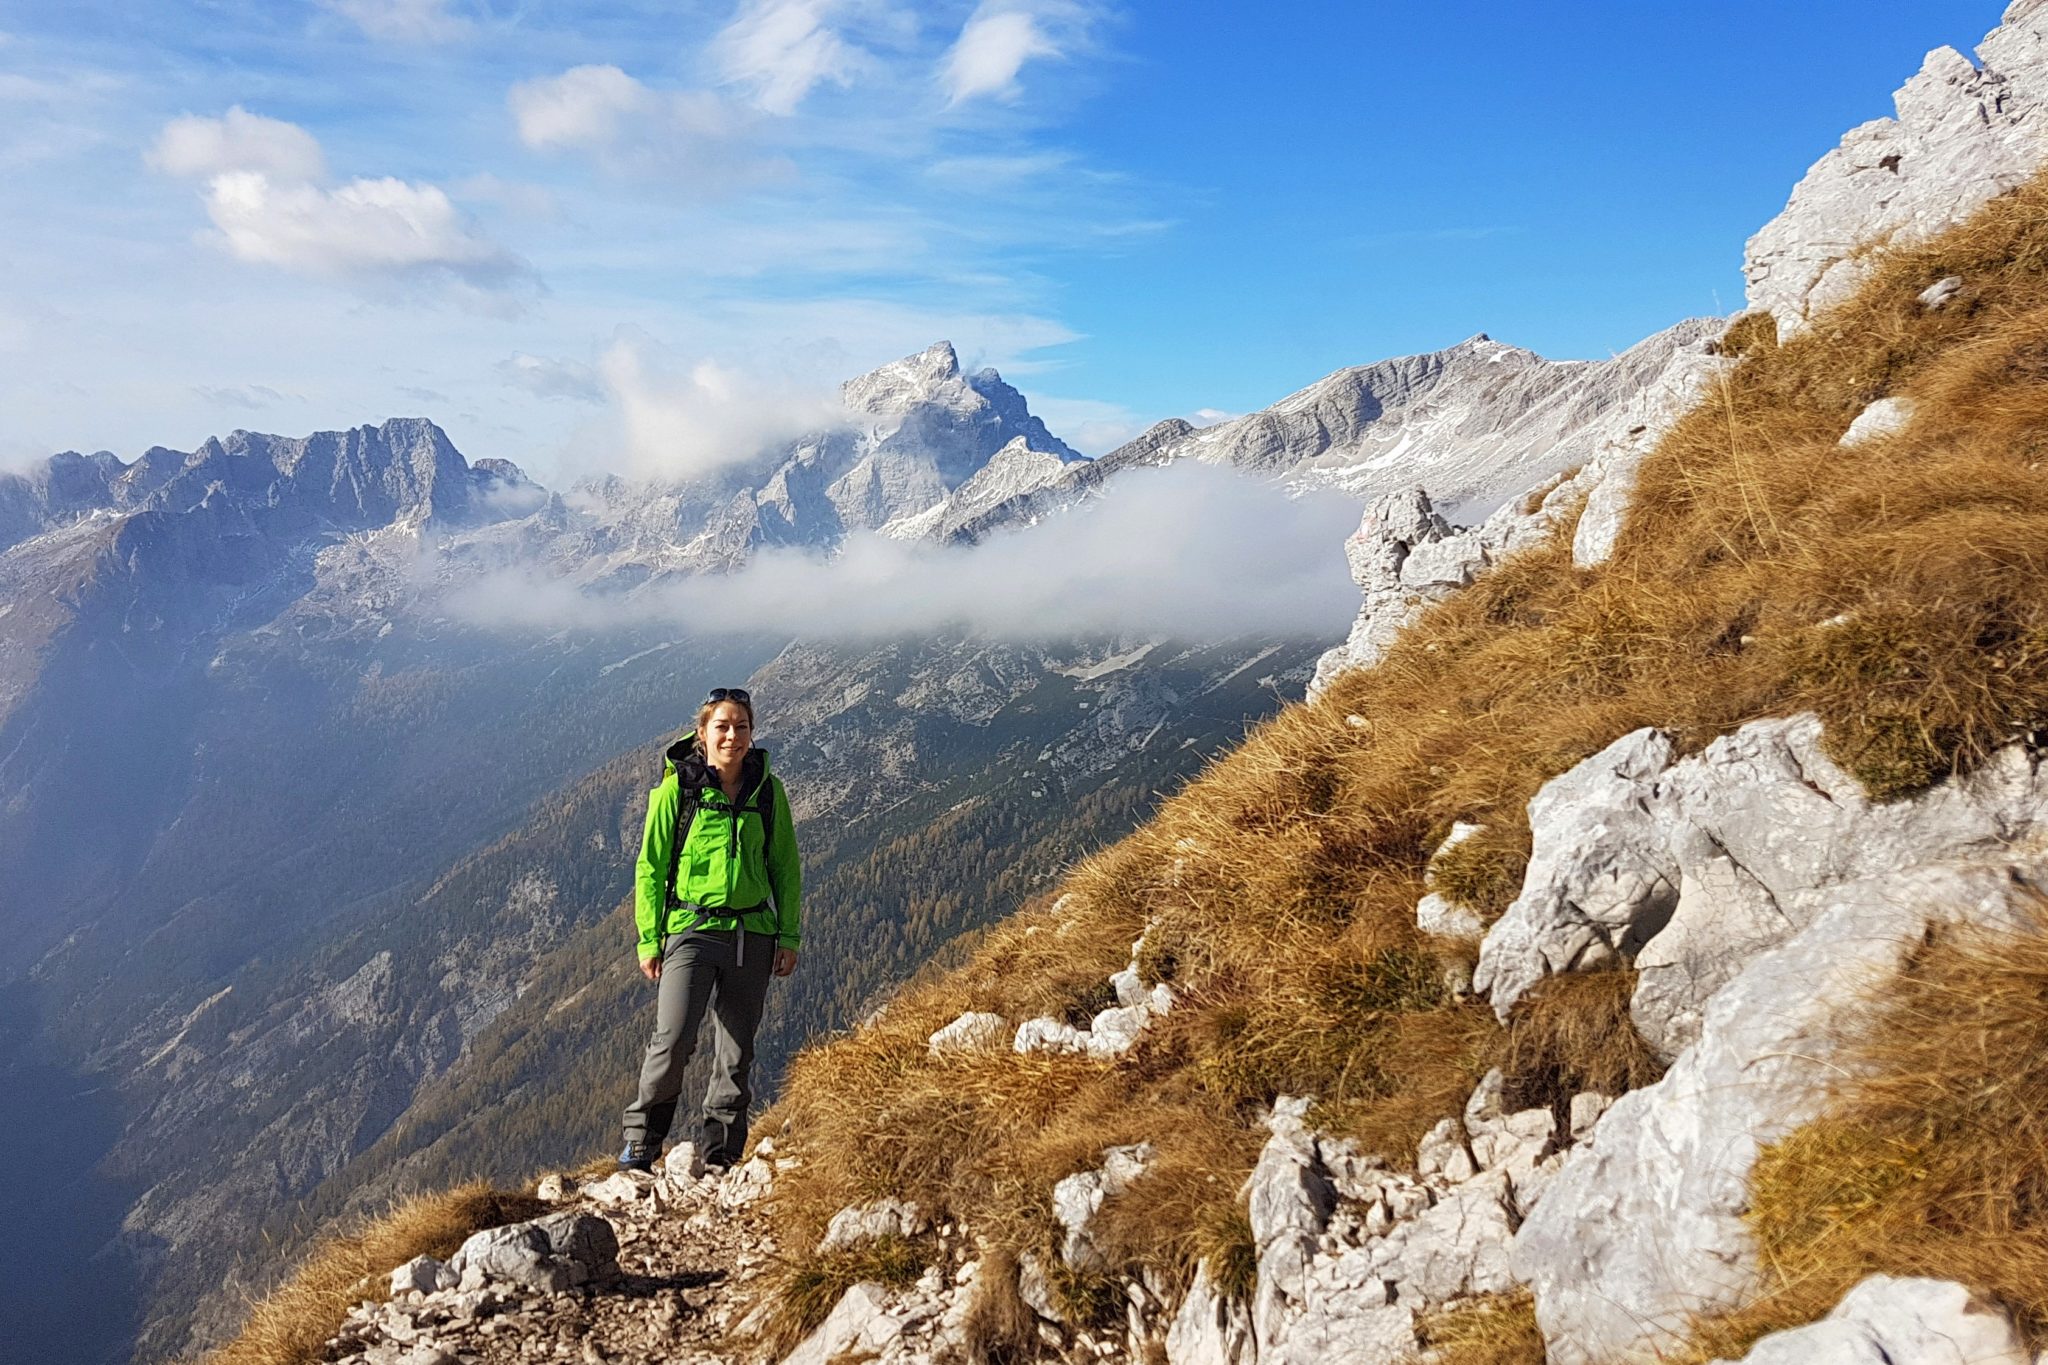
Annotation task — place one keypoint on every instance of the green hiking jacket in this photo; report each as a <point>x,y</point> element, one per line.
<point>722,864</point>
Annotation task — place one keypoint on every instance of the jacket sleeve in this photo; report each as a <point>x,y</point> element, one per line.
<point>786,876</point>
<point>650,879</point>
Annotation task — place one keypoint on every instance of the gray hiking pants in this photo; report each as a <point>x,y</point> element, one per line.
<point>700,971</point>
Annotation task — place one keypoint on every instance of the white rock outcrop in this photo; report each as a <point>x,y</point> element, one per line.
<point>1642,1227</point>
<point>1887,1321</point>
<point>1964,133</point>
<point>1688,868</point>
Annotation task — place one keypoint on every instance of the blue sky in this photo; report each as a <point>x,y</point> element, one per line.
<point>589,236</point>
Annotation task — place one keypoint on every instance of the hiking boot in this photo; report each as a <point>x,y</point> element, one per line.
<point>639,1156</point>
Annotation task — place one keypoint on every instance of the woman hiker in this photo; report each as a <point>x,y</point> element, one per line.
<point>717,918</point>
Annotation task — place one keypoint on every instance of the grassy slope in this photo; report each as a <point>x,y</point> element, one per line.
<point>1899,589</point>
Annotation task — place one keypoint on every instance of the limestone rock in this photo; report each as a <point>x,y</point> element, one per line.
<point>861,1326</point>
<point>683,1164</point>
<point>1689,869</point>
<point>1885,417</point>
<point>420,1275</point>
<point>1964,133</point>
<point>1289,1199</point>
<point>550,1254</point>
<point>1116,1031</point>
<point>1210,1328</point>
<point>620,1187</point>
<point>1642,1227</point>
<point>1456,1248</point>
<point>870,1222</point>
<point>1045,1034</point>
<point>1077,1198</point>
<point>971,1032</point>
<point>1600,879</point>
<point>1938,295</point>
<point>1761,822</point>
<point>1887,1321</point>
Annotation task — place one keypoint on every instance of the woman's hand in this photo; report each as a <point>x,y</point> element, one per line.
<point>785,961</point>
<point>650,967</point>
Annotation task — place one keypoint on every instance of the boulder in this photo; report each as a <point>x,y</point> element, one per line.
<point>1887,1321</point>
<point>1045,1034</point>
<point>1689,869</point>
<point>1642,1227</point>
<point>550,1254</point>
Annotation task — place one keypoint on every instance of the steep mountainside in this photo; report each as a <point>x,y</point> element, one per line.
<point>1638,955</point>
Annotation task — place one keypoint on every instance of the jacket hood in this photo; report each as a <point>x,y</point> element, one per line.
<point>686,760</point>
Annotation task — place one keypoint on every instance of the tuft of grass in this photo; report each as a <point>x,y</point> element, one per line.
<point>1484,872</point>
<point>1749,334</point>
<point>805,1288</point>
<point>1492,1329</point>
<point>1000,1328</point>
<point>1572,1034</point>
<point>1931,1157</point>
<point>291,1324</point>
<point>1899,589</point>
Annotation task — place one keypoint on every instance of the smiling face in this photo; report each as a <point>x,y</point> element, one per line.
<point>725,735</point>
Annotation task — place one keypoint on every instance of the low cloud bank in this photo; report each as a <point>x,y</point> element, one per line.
<point>1191,551</point>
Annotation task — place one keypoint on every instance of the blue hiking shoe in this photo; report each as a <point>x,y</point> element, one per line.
<point>639,1156</point>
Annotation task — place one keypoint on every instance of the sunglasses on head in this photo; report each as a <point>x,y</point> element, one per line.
<point>738,694</point>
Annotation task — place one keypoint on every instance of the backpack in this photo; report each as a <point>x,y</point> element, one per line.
<point>762,803</point>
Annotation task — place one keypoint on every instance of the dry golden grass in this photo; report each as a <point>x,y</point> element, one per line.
<point>1493,1329</point>
<point>1932,1159</point>
<point>292,1322</point>
<point>1899,589</point>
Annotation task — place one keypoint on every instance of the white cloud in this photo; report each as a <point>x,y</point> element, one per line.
<point>782,48</point>
<point>367,229</point>
<point>585,106</point>
<point>403,21</point>
<point>991,50</point>
<point>238,140</point>
<point>545,378</point>
<point>1189,550</point>
<point>1209,417</point>
<point>681,420</point>
<point>692,135</point>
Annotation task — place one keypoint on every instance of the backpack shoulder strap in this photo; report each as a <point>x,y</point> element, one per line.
<point>686,815</point>
<point>764,806</point>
